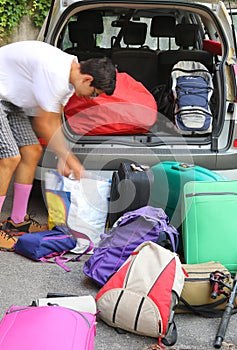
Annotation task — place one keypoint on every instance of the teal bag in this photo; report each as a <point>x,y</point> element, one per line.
<point>169,180</point>
<point>210,221</point>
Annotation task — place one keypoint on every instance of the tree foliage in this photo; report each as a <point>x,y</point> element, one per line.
<point>38,11</point>
<point>12,11</point>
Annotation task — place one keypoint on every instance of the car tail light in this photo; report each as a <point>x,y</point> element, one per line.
<point>235,143</point>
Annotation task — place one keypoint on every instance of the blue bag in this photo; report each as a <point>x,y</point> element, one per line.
<point>192,88</point>
<point>130,230</point>
<point>42,246</point>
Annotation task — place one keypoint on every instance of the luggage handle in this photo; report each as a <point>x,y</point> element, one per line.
<point>183,166</point>
<point>141,168</point>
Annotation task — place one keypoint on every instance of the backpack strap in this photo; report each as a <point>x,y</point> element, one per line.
<point>206,310</point>
<point>90,246</point>
<point>58,260</point>
<point>173,235</point>
<point>61,259</point>
<point>174,336</point>
<point>165,241</point>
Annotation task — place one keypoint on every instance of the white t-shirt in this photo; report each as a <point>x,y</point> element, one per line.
<point>35,74</point>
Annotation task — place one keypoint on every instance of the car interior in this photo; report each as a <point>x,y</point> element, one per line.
<point>146,43</point>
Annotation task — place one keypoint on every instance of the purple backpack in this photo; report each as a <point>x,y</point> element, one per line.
<point>130,230</point>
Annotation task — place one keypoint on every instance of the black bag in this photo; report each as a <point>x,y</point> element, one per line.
<point>130,189</point>
<point>165,100</point>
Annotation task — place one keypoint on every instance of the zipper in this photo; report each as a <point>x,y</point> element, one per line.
<point>11,311</point>
<point>192,89</point>
<point>199,111</point>
<point>116,306</point>
<point>83,316</point>
<point>138,313</point>
<point>48,238</point>
<point>188,195</point>
<point>195,279</point>
<point>28,308</point>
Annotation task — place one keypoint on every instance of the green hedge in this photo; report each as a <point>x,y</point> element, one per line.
<point>12,11</point>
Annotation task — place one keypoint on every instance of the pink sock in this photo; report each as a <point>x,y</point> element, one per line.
<point>20,202</point>
<point>2,199</point>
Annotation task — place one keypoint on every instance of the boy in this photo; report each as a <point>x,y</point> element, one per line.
<point>38,79</point>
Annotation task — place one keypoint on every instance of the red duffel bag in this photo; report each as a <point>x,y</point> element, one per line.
<point>130,110</point>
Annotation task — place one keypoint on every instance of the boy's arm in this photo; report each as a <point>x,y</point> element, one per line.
<point>49,126</point>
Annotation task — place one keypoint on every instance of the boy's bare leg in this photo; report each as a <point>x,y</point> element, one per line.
<point>7,169</point>
<point>25,171</point>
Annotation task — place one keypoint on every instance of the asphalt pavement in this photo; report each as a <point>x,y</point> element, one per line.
<point>24,280</point>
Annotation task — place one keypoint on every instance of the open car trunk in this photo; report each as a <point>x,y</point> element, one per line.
<point>142,39</point>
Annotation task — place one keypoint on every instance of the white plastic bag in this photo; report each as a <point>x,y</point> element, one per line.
<point>80,204</point>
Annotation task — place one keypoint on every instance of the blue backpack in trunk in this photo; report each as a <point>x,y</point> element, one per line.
<point>192,89</point>
<point>130,230</point>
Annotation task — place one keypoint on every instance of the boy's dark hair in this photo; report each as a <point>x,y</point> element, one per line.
<point>103,72</point>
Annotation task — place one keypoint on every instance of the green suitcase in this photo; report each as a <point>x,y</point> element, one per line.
<point>209,228</point>
<point>169,179</point>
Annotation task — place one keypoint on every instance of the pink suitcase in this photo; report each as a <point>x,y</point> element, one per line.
<point>47,328</point>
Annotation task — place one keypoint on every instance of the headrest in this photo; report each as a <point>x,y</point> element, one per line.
<point>186,34</point>
<point>163,26</point>
<point>91,21</point>
<point>83,38</point>
<point>135,33</point>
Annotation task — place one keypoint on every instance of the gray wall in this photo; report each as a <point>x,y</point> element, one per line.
<point>25,31</point>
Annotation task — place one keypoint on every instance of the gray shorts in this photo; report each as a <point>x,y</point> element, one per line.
<point>15,130</point>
